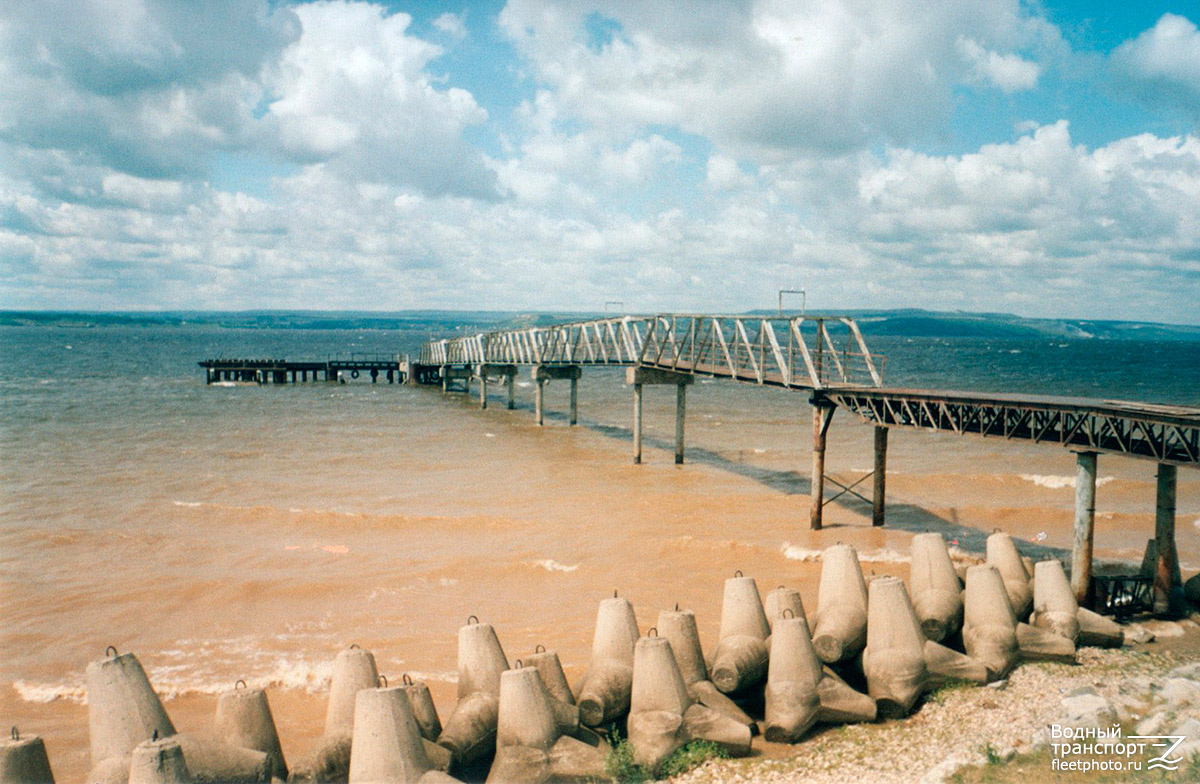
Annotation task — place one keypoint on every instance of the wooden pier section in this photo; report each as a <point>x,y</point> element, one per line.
<point>393,368</point>
<point>827,359</point>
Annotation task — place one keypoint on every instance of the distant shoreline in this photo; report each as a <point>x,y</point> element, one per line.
<point>893,323</point>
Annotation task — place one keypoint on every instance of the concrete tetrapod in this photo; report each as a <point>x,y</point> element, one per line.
<point>1002,553</point>
<point>23,760</point>
<point>353,670</point>
<point>946,665</point>
<point>1036,644</point>
<point>244,719</point>
<point>739,661</point>
<point>841,703</point>
<point>894,659</point>
<point>428,721</point>
<point>123,711</point>
<point>387,745</point>
<point>159,761</point>
<point>662,715</point>
<point>470,732</point>
<point>1097,631</point>
<point>936,590</point>
<point>678,627</point>
<point>840,628</point>
<point>792,702</point>
<point>781,600</point>
<point>212,761</point>
<point>531,747</point>
<point>1054,605</point>
<point>603,694</point>
<point>989,627</point>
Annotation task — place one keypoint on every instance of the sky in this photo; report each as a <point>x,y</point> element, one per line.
<point>1036,158</point>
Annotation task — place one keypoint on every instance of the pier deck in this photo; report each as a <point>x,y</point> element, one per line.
<point>282,371</point>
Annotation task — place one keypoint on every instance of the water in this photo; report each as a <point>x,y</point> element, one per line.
<point>250,532</point>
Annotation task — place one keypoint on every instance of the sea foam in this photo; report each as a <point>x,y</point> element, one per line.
<point>1052,482</point>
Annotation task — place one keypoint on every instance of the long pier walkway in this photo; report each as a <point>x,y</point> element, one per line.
<point>282,371</point>
<point>827,358</point>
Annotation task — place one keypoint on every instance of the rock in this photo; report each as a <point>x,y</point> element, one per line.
<point>941,772</point>
<point>1190,671</point>
<point>1084,707</point>
<point>1163,629</point>
<point>1179,692</point>
<point>1137,633</point>
<point>1041,739</point>
<point>1154,724</point>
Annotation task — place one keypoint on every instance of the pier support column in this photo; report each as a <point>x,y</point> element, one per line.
<point>542,374</point>
<point>680,407</point>
<point>637,424</point>
<point>637,377</point>
<point>878,504</point>
<point>511,382</point>
<point>445,378</point>
<point>1085,526</point>
<point>482,389</point>
<point>1168,584</point>
<point>822,417</point>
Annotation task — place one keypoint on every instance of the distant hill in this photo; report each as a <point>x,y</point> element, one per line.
<point>901,322</point>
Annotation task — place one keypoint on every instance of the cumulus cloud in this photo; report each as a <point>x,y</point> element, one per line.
<point>773,78</point>
<point>1163,63</point>
<point>149,88</point>
<point>1009,72</point>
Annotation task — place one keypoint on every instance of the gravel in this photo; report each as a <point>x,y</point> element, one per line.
<point>954,726</point>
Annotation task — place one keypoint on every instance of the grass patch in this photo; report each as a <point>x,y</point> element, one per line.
<point>621,768</point>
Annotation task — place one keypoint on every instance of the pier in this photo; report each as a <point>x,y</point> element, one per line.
<point>393,368</point>
<point>827,359</point>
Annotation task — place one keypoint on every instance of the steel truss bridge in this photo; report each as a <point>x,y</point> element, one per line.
<point>827,358</point>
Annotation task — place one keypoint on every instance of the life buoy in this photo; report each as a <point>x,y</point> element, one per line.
<point>353,374</point>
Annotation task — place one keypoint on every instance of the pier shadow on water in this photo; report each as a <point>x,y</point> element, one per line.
<point>900,516</point>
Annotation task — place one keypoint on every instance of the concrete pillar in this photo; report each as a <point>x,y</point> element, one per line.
<point>483,389</point>
<point>574,401</point>
<point>1085,526</point>
<point>445,378</point>
<point>989,626</point>
<point>353,669</point>
<point>740,659</point>
<point>936,591</point>
<point>822,417</point>
<point>1168,584</point>
<point>24,760</point>
<point>539,401</point>
<point>244,719</point>
<point>123,709</point>
<point>791,700</point>
<point>780,600</point>
<point>1002,553</point>
<point>158,762</point>
<point>512,391</point>
<point>470,732</point>
<point>840,628</point>
<point>637,423</point>
<point>894,659</point>
<point>680,409</point>
<point>1054,606</point>
<point>878,504</point>
<point>387,744</point>
<point>658,702</point>
<point>607,685</point>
